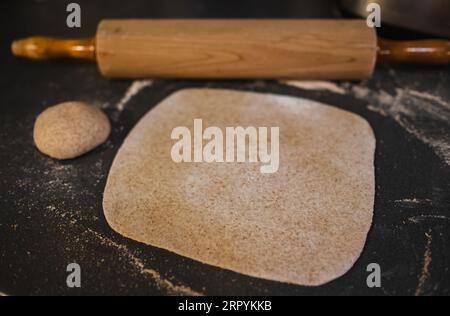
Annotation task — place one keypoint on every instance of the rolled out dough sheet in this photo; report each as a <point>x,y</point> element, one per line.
<point>305,224</point>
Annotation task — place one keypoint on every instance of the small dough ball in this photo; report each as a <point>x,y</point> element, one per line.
<point>70,129</point>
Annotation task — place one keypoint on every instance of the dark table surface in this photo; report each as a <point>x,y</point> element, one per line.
<point>51,212</point>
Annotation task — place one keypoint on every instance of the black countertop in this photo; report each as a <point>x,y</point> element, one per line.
<point>51,213</point>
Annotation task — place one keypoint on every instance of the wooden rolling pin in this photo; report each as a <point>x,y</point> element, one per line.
<point>279,49</point>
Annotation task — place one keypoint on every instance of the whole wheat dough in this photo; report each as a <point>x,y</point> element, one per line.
<point>70,129</point>
<point>306,224</point>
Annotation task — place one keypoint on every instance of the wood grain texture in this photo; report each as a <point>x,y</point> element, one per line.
<point>297,49</point>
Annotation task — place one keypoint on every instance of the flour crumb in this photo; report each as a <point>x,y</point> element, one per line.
<point>315,85</point>
<point>419,219</point>
<point>360,92</point>
<point>133,90</point>
<point>413,201</point>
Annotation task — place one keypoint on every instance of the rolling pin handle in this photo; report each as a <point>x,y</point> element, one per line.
<point>41,48</point>
<point>432,52</point>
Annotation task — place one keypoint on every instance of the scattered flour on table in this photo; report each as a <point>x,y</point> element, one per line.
<point>413,201</point>
<point>137,263</point>
<point>408,107</point>
<point>315,85</point>
<point>429,97</point>
<point>70,218</point>
<point>413,111</point>
<point>133,90</point>
<point>421,218</point>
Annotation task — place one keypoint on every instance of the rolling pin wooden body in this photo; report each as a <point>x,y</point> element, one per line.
<point>313,49</point>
